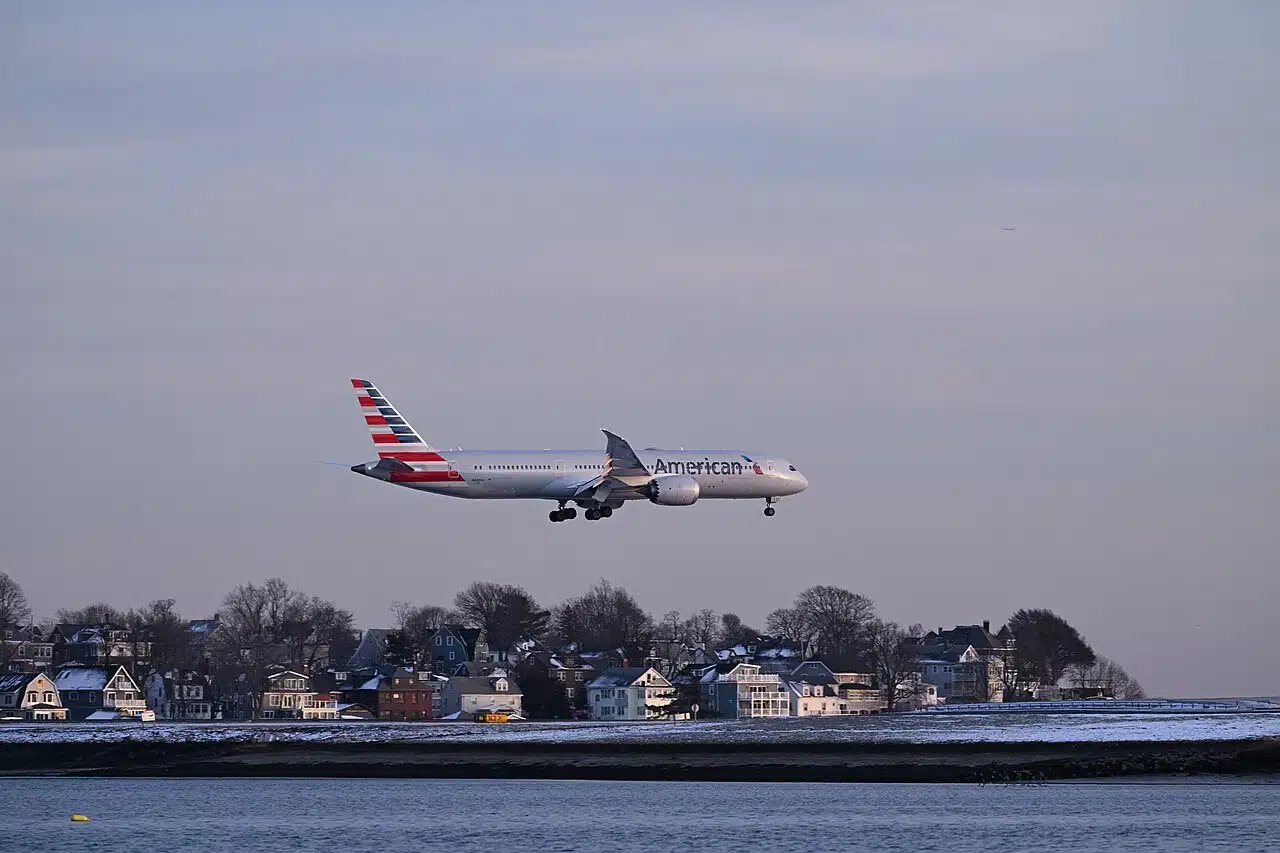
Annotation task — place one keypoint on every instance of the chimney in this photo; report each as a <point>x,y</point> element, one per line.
<point>986,625</point>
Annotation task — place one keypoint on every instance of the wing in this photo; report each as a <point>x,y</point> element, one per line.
<point>622,470</point>
<point>620,460</point>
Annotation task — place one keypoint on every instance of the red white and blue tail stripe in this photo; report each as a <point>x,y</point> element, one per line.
<point>396,439</point>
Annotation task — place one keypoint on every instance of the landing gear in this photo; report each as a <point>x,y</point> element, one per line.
<point>605,511</point>
<point>769,511</point>
<point>598,512</point>
<point>592,515</point>
<point>563,513</point>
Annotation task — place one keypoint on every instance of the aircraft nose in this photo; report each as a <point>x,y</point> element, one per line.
<point>802,482</point>
<point>361,468</point>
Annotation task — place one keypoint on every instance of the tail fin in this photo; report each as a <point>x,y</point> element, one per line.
<point>394,437</point>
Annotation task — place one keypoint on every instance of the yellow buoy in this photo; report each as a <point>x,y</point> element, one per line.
<point>78,818</point>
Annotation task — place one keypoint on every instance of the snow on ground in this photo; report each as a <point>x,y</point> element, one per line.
<point>897,728</point>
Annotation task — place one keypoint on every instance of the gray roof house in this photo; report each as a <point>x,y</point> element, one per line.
<point>465,696</point>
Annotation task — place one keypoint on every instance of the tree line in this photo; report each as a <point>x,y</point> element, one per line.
<point>259,625</point>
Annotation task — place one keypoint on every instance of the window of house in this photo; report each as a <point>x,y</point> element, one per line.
<point>438,639</point>
<point>450,640</point>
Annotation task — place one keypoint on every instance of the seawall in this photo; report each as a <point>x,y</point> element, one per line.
<point>756,762</point>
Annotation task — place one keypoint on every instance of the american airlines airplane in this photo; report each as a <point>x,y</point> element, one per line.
<point>598,482</point>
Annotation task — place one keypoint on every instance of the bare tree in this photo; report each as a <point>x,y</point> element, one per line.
<point>417,624</point>
<point>164,630</point>
<point>93,614</point>
<point>787,623</point>
<point>506,613</point>
<point>836,621</point>
<point>671,637</point>
<point>897,666</point>
<point>702,627</point>
<point>1106,676</point>
<point>15,614</point>
<point>606,617</point>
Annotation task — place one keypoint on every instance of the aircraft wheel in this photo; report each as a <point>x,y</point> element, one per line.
<point>592,515</point>
<point>605,511</point>
<point>569,513</point>
<point>556,515</point>
<point>769,511</point>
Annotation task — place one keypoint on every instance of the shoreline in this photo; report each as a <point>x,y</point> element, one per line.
<point>725,762</point>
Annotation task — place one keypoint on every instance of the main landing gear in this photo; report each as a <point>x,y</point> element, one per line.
<point>594,513</point>
<point>563,513</point>
<point>769,511</point>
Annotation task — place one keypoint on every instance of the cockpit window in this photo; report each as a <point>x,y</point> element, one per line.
<point>791,467</point>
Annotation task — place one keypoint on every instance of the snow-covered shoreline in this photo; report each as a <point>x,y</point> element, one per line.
<point>974,727</point>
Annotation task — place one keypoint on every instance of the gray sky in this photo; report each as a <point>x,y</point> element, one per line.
<point>769,226</point>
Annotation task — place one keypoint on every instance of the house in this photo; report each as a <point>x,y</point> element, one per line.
<point>100,692</point>
<point>629,693</point>
<point>983,682</point>
<point>404,696</point>
<point>814,691</point>
<point>286,693</point>
<point>320,706</point>
<point>450,645</point>
<point>30,696</point>
<point>567,670</point>
<point>180,695</point>
<point>497,693</point>
<point>371,650</point>
<point>103,645</point>
<point>958,672</point>
<point>25,650</point>
<point>742,690</point>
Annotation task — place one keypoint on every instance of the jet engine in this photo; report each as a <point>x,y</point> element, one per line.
<point>673,490</point>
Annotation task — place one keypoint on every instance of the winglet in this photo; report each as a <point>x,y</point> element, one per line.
<point>621,460</point>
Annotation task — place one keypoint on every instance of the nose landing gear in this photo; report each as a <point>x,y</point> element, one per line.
<point>769,511</point>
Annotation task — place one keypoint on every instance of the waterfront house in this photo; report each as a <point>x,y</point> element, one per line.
<point>320,706</point>
<point>180,695</point>
<point>30,696</point>
<point>495,693</point>
<point>100,693</point>
<point>742,690</point>
<point>285,695</point>
<point>629,693</point>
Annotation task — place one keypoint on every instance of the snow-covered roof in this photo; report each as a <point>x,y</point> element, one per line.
<point>372,683</point>
<point>81,678</point>
<point>12,682</point>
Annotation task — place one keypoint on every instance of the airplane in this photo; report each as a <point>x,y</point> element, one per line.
<point>598,482</point>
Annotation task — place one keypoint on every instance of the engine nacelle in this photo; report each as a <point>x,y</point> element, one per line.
<point>673,490</point>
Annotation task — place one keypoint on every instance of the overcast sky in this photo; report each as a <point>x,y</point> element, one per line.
<point>777,227</point>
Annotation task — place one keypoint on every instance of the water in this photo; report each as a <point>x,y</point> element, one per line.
<point>241,815</point>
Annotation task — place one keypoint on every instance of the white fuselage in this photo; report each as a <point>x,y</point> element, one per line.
<point>560,474</point>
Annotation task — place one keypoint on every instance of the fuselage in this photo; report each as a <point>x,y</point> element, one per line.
<point>560,474</point>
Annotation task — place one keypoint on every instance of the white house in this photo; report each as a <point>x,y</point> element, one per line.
<point>30,696</point>
<point>495,692</point>
<point>287,693</point>
<point>629,693</point>
<point>814,700</point>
